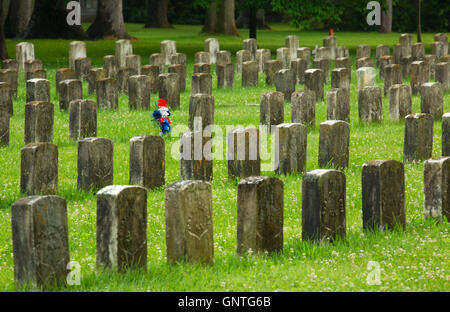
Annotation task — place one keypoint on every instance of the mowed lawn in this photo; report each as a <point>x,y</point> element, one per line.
<point>416,259</point>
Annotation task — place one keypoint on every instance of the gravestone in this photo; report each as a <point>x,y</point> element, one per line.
<point>446,134</point>
<point>437,48</point>
<point>299,66</point>
<point>290,148</point>
<point>38,90</point>
<point>400,101</point>
<point>285,82</point>
<point>243,153</point>
<point>202,68</point>
<point>418,76</point>
<point>36,74</point>
<point>77,49</point>
<point>95,163</point>
<point>383,194</point>
<point>397,53</point>
<point>6,103</point>
<point>418,51</point>
<point>189,222</point>
<point>124,75</point>
<point>262,56</point>
<point>384,61</point>
<point>314,82</point>
<point>338,104</point>
<point>24,52</point>
<point>342,52</point>
<point>344,62</point>
<point>178,58</point>
<point>107,93</point>
<point>10,76</point>
<point>69,90</point>
<point>4,127</point>
<point>392,75</point>
<point>168,48</point>
<point>111,66</point>
<point>202,57</point>
<point>340,78</point>
<point>94,75</point>
<point>212,46</point>
<point>134,62</point>
<point>122,228</point>
<point>225,75</point>
<point>63,74</point>
<point>330,42</point>
<point>271,111</point>
<point>158,59</point>
<point>201,110</point>
<point>305,53</point>
<point>152,71</point>
<point>250,74</point>
<point>123,49</point>
<point>32,64</point>
<point>196,162</point>
<point>139,92</point>
<point>323,205</point>
<point>10,64</point>
<point>284,57</point>
<point>201,83</point>
<point>432,99</point>
<point>436,188</point>
<point>82,119</point>
<point>252,45</point>
<point>169,90</point>
<point>406,43</point>
<point>442,74</point>
<point>370,104</point>
<point>304,108</point>
<point>366,77</point>
<point>322,53</point>
<point>40,242</point>
<point>260,215</point>
<point>418,142</point>
<point>362,50</point>
<point>292,43</point>
<point>443,37</point>
<point>147,161</point>
<point>334,138</point>
<point>430,66</point>
<point>381,50</point>
<point>39,168</point>
<point>181,71</point>
<point>38,122</point>
<point>272,66</point>
<point>223,57</point>
<point>364,62</point>
<point>406,65</point>
<point>324,65</point>
<point>241,57</point>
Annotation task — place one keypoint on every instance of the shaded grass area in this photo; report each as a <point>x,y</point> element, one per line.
<point>416,259</point>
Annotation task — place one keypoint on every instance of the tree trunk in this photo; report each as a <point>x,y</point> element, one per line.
<point>210,19</point>
<point>49,20</point>
<point>252,23</point>
<point>157,14</point>
<point>243,20</point>
<point>19,16</point>
<point>109,21</point>
<point>3,51</point>
<point>419,23</point>
<point>226,23</point>
<point>386,18</point>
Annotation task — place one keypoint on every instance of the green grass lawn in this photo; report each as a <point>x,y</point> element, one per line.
<point>416,259</point>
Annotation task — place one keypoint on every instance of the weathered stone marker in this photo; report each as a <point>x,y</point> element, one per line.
<point>39,122</point>
<point>94,75</point>
<point>322,53</point>
<point>223,57</point>
<point>446,134</point>
<point>77,49</point>
<point>147,161</point>
<point>400,101</point>
<point>250,74</point>
<point>383,194</point>
<point>430,66</point>
<point>299,66</point>
<point>225,75</point>
<point>370,104</point>
<point>82,119</point>
<point>202,57</point>
<point>134,62</point>
<point>196,162</point>
<point>290,148</point>
<point>252,45</point>
<point>272,66</point>
<point>406,43</point>
<point>285,82</point>
<point>323,205</point>
<point>6,103</point>
<point>260,215</point>
<point>292,43</point>
<point>202,68</point>
<point>338,104</point>
<point>158,60</point>
<point>271,111</point>
<point>10,64</point>
<point>189,223</point>
<point>201,110</point>
<point>443,37</point>
<point>24,52</point>
<point>139,92</point>
<point>418,51</point>
<point>262,56</point>
<point>181,71</point>
<point>340,78</point>
<point>392,75</point>
<point>363,50</point>
<point>418,76</point>
<point>169,90</point>
<point>314,82</point>
<point>432,99</point>
<point>418,143</point>
<point>437,48</point>
<point>10,76</point>
<point>95,163</point>
<point>305,53</point>
<point>304,108</point>
<point>436,188</point>
<point>124,76</point>
<point>243,153</point>
<point>406,65</point>
<point>334,139</point>
<point>442,74</point>
<point>107,93</point>
<point>364,62</point>
<point>324,65</point>
<point>330,42</point>
<point>212,46</point>
<point>4,127</point>
<point>40,242</point>
<point>39,168</point>
<point>241,57</point>
<point>384,61</point>
<point>178,58</point>
<point>397,53</point>
<point>36,74</point>
<point>111,66</point>
<point>201,83</point>
<point>123,49</point>
<point>381,50</point>
<point>152,71</point>
<point>38,90</point>
<point>82,67</point>
<point>32,64</point>
<point>122,227</point>
<point>63,74</point>
<point>168,48</point>
<point>69,90</point>
<point>342,52</point>
<point>284,57</point>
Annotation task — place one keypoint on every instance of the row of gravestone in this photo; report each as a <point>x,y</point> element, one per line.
<point>40,226</point>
